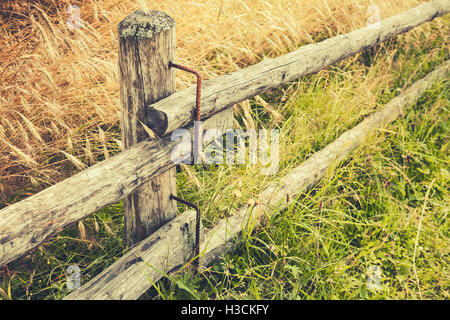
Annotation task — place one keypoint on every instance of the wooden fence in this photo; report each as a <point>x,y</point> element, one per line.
<point>143,174</point>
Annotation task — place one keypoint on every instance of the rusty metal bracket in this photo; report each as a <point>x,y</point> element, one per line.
<point>197,229</point>
<point>197,106</point>
<point>196,155</point>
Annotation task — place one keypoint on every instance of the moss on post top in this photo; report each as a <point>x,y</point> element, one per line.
<point>140,24</point>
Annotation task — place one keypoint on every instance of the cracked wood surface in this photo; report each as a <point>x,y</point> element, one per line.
<point>146,46</point>
<point>26,224</point>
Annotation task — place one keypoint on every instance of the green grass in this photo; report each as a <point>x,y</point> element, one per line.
<point>365,213</point>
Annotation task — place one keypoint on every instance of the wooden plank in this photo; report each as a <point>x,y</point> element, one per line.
<point>168,248</point>
<point>146,46</point>
<point>229,89</point>
<point>26,224</point>
<point>125,281</point>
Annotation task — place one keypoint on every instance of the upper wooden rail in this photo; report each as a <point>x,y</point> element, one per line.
<point>176,110</point>
<point>26,224</point>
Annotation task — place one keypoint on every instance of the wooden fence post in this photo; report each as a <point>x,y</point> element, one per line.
<point>146,46</point>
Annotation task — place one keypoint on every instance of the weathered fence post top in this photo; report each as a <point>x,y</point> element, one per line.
<point>140,24</point>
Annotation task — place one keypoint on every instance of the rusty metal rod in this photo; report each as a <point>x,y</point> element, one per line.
<point>196,154</point>
<point>197,106</point>
<point>197,229</point>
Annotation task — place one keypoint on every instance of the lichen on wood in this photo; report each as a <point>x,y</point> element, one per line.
<point>140,24</point>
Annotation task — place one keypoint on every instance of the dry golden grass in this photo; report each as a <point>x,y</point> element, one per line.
<point>59,92</point>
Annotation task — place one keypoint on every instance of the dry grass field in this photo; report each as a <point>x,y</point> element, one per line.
<point>59,87</point>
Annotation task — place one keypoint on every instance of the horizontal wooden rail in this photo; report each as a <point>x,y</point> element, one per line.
<point>176,110</point>
<point>26,224</point>
<point>164,251</point>
<point>169,247</point>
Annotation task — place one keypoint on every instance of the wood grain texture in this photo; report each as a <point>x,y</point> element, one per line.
<point>229,89</point>
<point>146,46</point>
<point>125,281</point>
<point>168,248</point>
<point>26,224</point>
